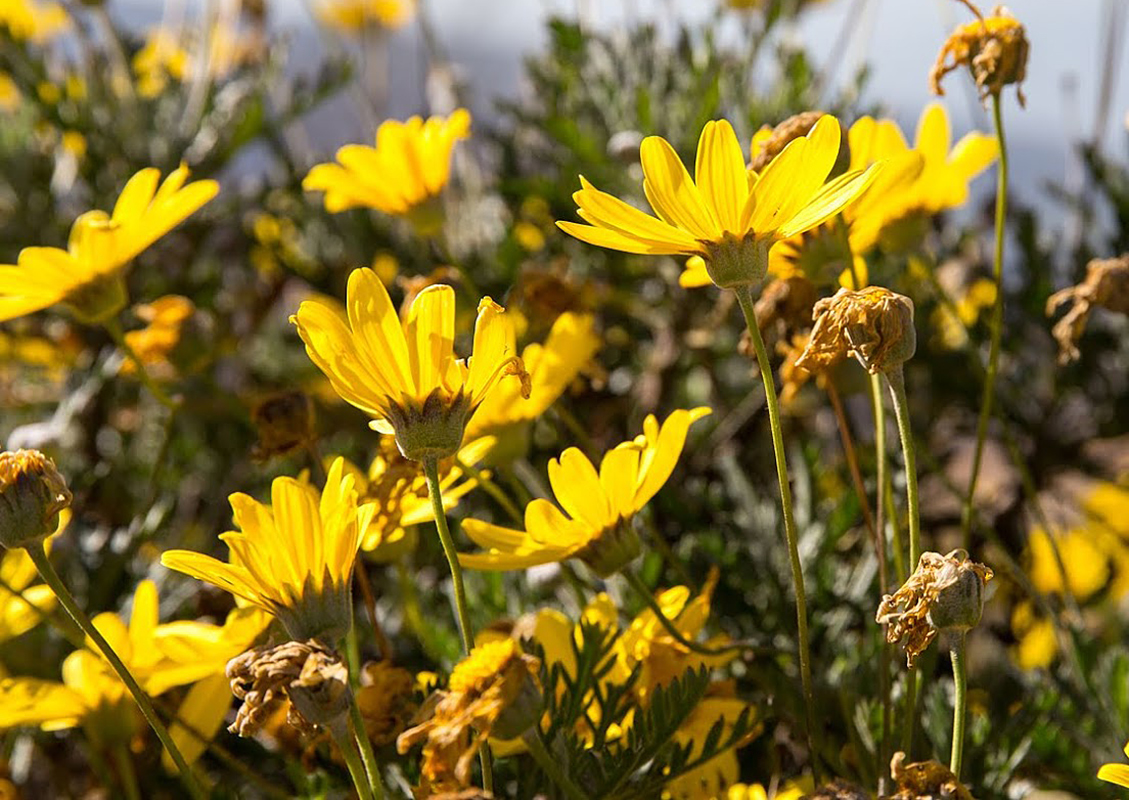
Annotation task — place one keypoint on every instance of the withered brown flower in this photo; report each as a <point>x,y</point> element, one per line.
<point>492,692</point>
<point>925,780</point>
<point>769,142</point>
<point>1106,286</point>
<point>943,593</point>
<point>32,495</point>
<point>385,700</point>
<point>994,48</point>
<point>874,325</point>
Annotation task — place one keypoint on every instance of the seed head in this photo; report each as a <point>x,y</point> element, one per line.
<point>874,325</point>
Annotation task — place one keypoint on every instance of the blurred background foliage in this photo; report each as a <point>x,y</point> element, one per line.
<point>88,105</point>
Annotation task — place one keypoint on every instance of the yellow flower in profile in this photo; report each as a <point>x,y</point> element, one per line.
<point>728,216</point>
<point>405,374</point>
<point>596,524</point>
<point>1116,773</point>
<point>161,657</point>
<point>160,59</point>
<point>403,175</point>
<point>27,20</point>
<point>1086,563</point>
<point>552,366</point>
<point>87,276</point>
<point>353,16</point>
<point>395,488</point>
<point>293,558</point>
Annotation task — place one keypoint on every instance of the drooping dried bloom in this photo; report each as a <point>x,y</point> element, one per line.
<point>874,325</point>
<point>492,692</point>
<point>385,700</point>
<point>1106,286</point>
<point>769,142</point>
<point>285,423</point>
<point>32,493</point>
<point>994,48</point>
<point>944,593</point>
<point>924,780</point>
<point>307,675</point>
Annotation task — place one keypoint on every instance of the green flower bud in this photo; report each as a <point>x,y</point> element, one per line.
<point>32,493</point>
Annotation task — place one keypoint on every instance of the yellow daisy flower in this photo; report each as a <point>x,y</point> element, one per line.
<point>10,97</point>
<point>552,366</point>
<point>403,175</point>
<point>29,21</point>
<point>728,216</point>
<point>294,558</point>
<point>161,657</point>
<point>1116,773</point>
<point>405,375</point>
<point>353,16</point>
<point>161,58</point>
<point>595,525</point>
<point>708,780</point>
<point>87,276</point>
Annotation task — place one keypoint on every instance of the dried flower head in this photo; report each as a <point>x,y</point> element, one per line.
<point>874,325</point>
<point>769,142</point>
<point>32,493</point>
<point>385,700</point>
<point>284,422</point>
<point>1106,285</point>
<point>994,48</point>
<point>307,675</point>
<point>944,593</point>
<point>492,692</point>
<point>838,789</point>
<point>924,780</point>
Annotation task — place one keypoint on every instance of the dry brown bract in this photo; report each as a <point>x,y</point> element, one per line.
<point>308,675</point>
<point>994,49</point>
<point>492,691</point>
<point>779,137</point>
<point>943,593</point>
<point>1106,285</point>
<point>925,780</point>
<point>874,325</point>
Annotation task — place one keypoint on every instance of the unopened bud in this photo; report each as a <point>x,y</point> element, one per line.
<point>32,493</point>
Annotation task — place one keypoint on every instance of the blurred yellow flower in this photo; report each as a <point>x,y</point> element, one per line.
<point>293,558</point>
<point>22,605</point>
<point>708,780</point>
<point>29,21</point>
<point>743,791</point>
<point>10,97</point>
<point>1086,565</point>
<point>159,656</point>
<point>1116,773</point>
<point>596,524</point>
<point>730,216</point>
<point>154,343</point>
<point>952,323</point>
<point>552,366</point>
<point>160,59</point>
<point>1036,644</point>
<point>353,16</point>
<point>403,175</point>
<point>396,489</point>
<point>405,374</point>
<point>86,277</point>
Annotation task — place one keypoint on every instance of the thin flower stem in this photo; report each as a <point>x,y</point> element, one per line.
<point>881,489</point>
<point>532,739</point>
<point>352,761</point>
<point>368,757</point>
<point>493,489</point>
<point>745,299</point>
<point>126,773</point>
<point>114,328</point>
<point>431,473</point>
<point>882,478</point>
<point>996,325</point>
<point>909,713</point>
<point>960,682</point>
<point>668,624</point>
<point>38,556</point>
<point>897,382</point>
<point>856,477</point>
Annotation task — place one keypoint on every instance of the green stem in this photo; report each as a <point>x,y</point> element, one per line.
<point>38,555</point>
<point>532,739</point>
<point>641,589</point>
<point>368,757</point>
<point>745,298</point>
<point>352,761</point>
<point>126,773</point>
<point>882,479</point>
<point>996,325</point>
<point>960,682</point>
<point>431,473</point>
<point>910,712</point>
<point>114,328</point>
<point>897,382</point>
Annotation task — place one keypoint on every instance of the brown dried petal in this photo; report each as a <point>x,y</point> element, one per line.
<point>1106,286</point>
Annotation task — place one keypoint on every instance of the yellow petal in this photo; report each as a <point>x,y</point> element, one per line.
<point>619,474</point>
<point>720,173</point>
<point>198,719</point>
<point>430,335</point>
<point>136,196</point>
<point>376,324</point>
<point>144,617</point>
<point>829,202</point>
<point>657,464</point>
<point>791,179</point>
<point>614,240</point>
<point>672,193</point>
<point>578,489</point>
<point>694,274</point>
<point>933,134</point>
<point>493,344</point>
<point>1115,773</point>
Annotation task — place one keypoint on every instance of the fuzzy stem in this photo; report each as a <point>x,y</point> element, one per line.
<point>996,324</point>
<point>368,757</point>
<point>114,328</point>
<point>352,761</point>
<point>901,411</point>
<point>38,556</point>
<point>431,473</point>
<point>960,682</point>
<point>537,749</point>
<point>745,299</point>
